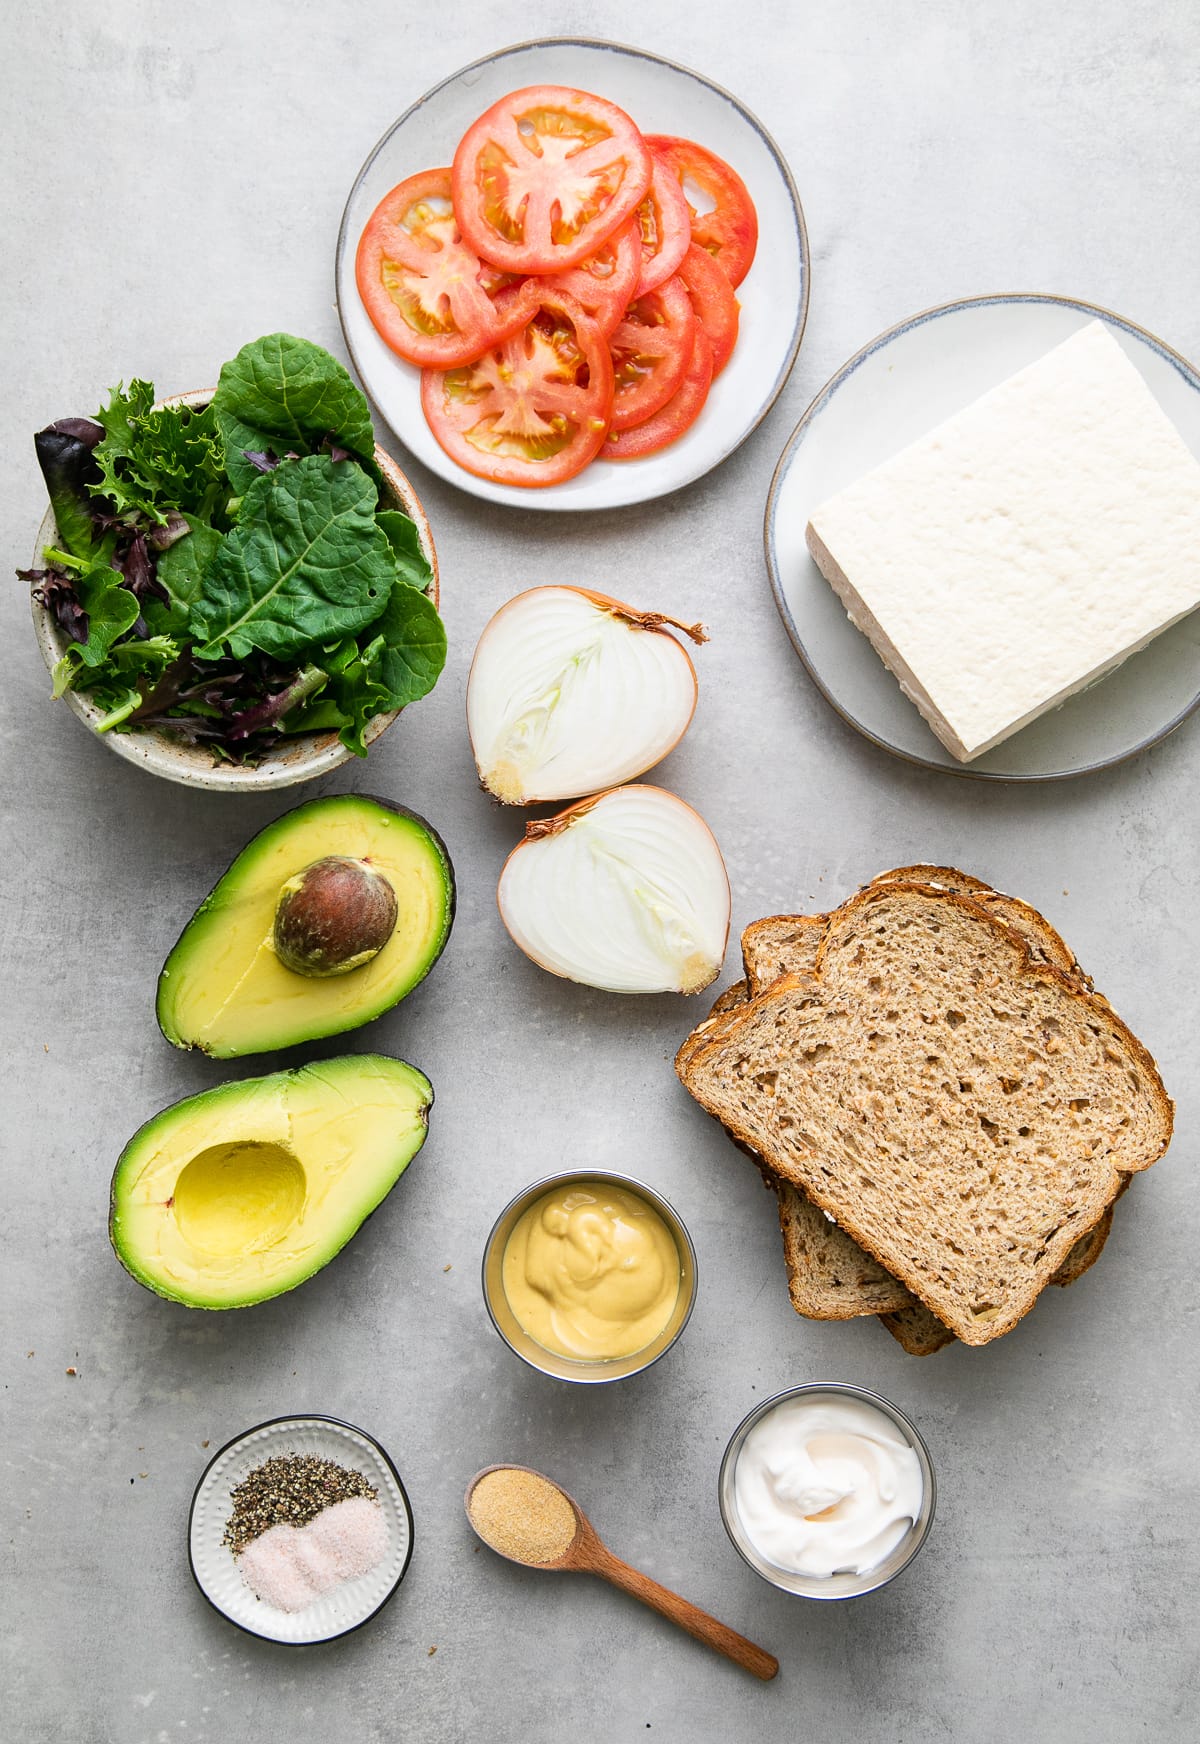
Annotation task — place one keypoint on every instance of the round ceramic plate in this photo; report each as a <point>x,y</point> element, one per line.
<point>894,391</point>
<point>662,98</point>
<point>215,1569</point>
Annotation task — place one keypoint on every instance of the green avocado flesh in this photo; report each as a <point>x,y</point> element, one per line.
<point>241,1193</point>
<point>224,990</point>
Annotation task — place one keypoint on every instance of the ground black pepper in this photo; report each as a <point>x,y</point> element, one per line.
<point>292,1487</point>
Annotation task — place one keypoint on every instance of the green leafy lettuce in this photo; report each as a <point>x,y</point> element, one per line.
<point>305,563</point>
<point>230,574</point>
<point>283,396</point>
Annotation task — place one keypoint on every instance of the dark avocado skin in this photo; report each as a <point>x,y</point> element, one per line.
<point>240,872</point>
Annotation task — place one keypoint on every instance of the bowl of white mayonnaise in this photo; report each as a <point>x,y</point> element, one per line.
<point>827,1490</point>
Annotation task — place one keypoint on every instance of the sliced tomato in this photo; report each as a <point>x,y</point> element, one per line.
<point>678,415</point>
<point>545,176</point>
<point>714,302</point>
<point>651,350</point>
<point>665,221</point>
<point>605,282</point>
<point>534,409</point>
<point>429,295</point>
<point>728,228</point>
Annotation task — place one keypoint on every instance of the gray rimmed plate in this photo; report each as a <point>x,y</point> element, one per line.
<point>895,390</point>
<point>215,1569</point>
<point>661,97</point>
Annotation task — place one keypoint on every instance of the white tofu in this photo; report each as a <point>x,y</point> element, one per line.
<point>1023,548</point>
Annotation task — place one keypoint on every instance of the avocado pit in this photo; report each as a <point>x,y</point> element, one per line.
<point>333,916</point>
<point>228,991</point>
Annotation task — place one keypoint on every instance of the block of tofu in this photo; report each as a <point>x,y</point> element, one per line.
<point>1024,547</point>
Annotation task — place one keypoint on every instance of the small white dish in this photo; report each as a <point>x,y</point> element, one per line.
<point>214,1566</point>
<point>294,760</point>
<point>893,391</point>
<point>661,97</point>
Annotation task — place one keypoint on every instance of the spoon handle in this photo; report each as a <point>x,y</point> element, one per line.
<point>686,1615</point>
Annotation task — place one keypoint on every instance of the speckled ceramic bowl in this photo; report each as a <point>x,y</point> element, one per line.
<point>299,759</point>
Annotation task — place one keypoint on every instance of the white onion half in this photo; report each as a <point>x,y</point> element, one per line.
<point>627,892</point>
<point>571,693</point>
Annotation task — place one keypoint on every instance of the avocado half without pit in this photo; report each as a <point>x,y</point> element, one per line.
<point>242,1192</point>
<point>324,921</point>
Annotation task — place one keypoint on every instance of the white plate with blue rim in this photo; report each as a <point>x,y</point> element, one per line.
<point>214,1566</point>
<point>661,97</point>
<point>895,390</point>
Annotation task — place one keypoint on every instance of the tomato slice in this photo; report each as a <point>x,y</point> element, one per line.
<point>714,302</point>
<point>545,176</point>
<point>665,221</point>
<point>605,282</point>
<point>532,410</point>
<point>678,415</point>
<point>429,295</point>
<point>651,350</point>
<point>729,229</point>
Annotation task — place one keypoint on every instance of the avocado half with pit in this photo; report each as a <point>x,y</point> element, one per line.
<point>242,1192</point>
<point>290,945</point>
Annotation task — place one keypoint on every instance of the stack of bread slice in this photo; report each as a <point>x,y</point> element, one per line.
<point>944,1105</point>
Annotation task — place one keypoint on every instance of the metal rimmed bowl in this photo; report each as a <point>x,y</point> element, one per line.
<point>835,1586</point>
<point>333,1613</point>
<point>548,1362</point>
<point>300,759</point>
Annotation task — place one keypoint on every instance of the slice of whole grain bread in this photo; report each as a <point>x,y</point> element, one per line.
<point>927,1015</point>
<point>786,943</point>
<point>920,1331</point>
<point>830,1277</point>
<point>821,1291</point>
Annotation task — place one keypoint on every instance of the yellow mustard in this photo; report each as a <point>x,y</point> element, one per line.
<point>591,1271</point>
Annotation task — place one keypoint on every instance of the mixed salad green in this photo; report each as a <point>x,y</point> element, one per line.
<point>227,573</point>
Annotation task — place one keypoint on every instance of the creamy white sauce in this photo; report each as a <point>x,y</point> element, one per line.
<point>826,1485</point>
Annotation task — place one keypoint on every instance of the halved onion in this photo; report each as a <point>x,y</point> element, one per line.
<point>571,692</point>
<point>626,891</point>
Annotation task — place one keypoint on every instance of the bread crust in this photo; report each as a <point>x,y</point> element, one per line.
<point>1025,965</point>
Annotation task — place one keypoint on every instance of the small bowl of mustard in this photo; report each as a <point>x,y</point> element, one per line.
<point>589,1276</point>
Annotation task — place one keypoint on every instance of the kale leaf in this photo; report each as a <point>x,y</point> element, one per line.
<point>400,662</point>
<point>412,565</point>
<point>305,564</point>
<point>183,566</point>
<point>406,655</point>
<point>282,394</point>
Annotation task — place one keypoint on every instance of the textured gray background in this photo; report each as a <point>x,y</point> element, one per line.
<point>175,179</point>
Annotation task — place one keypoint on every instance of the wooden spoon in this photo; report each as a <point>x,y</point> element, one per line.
<point>587,1554</point>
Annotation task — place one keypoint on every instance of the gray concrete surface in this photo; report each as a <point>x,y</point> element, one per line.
<point>174,182</point>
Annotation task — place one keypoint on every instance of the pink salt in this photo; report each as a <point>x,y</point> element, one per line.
<point>290,1566</point>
